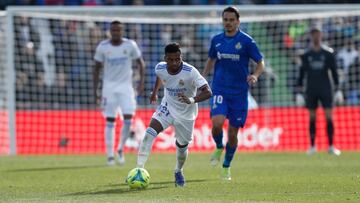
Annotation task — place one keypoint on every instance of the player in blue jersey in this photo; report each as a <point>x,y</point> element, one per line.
<point>230,53</point>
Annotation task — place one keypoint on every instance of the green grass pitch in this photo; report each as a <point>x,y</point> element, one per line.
<point>257,177</point>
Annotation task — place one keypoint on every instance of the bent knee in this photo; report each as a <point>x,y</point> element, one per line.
<point>181,145</point>
<point>216,130</point>
<point>110,119</point>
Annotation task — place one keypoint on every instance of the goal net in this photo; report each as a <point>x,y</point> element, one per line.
<point>52,61</point>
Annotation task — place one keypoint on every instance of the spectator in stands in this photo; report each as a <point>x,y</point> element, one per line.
<point>353,94</point>
<point>335,32</point>
<point>30,2</point>
<point>4,3</point>
<point>27,66</point>
<point>297,32</point>
<point>92,2</point>
<point>186,36</point>
<point>346,58</point>
<point>188,51</point>
<point>347,55</point>
<point>266,81</point>
<point>138,3</point>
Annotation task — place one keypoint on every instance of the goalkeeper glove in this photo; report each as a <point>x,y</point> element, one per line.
<point>299,99</point>
<point>338,97</point>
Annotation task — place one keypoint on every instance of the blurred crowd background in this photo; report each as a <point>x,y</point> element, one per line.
<point>4,3</point>
<point>54,58</point>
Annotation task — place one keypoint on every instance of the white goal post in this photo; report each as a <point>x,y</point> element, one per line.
<point>5,93</point>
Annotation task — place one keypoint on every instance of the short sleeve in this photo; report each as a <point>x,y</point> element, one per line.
<point>135,53</point>
<point>254,52</point>
<point>212,50</point>
<point>98,54</point>
<point>159,68</point>
<point>199,80</point>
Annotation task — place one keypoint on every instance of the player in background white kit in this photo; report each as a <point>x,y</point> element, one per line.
<point>178,107</point>
<point>115,55</point>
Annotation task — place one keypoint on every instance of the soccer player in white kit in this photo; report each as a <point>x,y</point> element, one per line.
<point>115,55</point>
<point>178,107</point>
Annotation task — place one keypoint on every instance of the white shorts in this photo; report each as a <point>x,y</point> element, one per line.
<point>113,103</point>
<point>183,128</point>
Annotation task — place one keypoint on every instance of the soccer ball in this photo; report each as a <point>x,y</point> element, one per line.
<point>138,178</point>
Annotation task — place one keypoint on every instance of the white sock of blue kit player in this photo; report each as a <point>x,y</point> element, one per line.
<point>125,132</point>
<point>181,156</point>
<point>145,146</point>
<point>109,138</point>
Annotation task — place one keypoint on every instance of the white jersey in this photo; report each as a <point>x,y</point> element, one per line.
<point>187,81</point>
<point>117,62</point>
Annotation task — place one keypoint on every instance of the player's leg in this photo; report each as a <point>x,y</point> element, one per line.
<point>151,132</point>
<point>230,150</point>
<point>326,101</point>
<point>330,132</point>
<point>109,140</point>
<point>312,131</point>
<point>181,156</point>
<point>125,133</point>
<point>183,136</point>
<point>312,99</point>
<point>217,134</point>
<point>237,117</point>
<point>161,119</point>
<point>128,106</point>
<point>109,109</point>
<point>218,113</point>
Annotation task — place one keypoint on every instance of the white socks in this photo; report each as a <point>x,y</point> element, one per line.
<point>125,132</point>
<point>145,149</point>
<point>181,155</point>
<point>145,146</point>
<point>109,138</point>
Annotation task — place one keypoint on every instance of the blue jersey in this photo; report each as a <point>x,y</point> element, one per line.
<point>232,56</point>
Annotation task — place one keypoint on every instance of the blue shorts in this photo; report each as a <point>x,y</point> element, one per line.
<point>233,107</point>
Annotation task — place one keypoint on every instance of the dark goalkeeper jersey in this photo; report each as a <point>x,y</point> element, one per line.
<point>315,69</point>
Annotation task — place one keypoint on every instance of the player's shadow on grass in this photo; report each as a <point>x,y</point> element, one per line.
<point>123,188</point>
<point>167,183</point>
<point>56,168</point>
<point>118,190</point>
